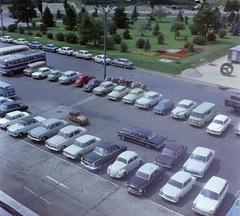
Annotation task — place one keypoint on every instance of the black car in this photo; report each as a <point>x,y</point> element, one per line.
<point>141,136</point>
<point>35,45</point>
<point>171,154</point>
<point>102,154</point>
<point>93,83</point>
<point>49,47</point>
<point>146,176</point>
<point>11,106</point>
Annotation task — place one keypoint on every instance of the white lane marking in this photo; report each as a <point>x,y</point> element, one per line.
<point>57,182</point>
<point>232,130</point>
<point>92,97</point>
<point>37,195</point>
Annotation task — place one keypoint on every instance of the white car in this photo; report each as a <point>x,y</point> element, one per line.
<point>118,92</point>
<point>124,164</point>
<point>12,118</point>
<point>218,125</point>
<point>177,186</point>
<point>81,146</point>
<point>83,54</point>
<point>148,100</point>
<point>183,109</point>
<point>69,77</point>
<point>65,51</point>
<point>41,73</point>
<point>211,196</point>
<point>21,41</point>
<point>199,161</point>
<point>4,100</point>
<point>7,39</point>
<point>237,131</point>
<point>100,59</point>
<point>104,88</point>
<point>65,137</point>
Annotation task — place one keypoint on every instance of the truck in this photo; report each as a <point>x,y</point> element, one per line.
<point>234,103</point>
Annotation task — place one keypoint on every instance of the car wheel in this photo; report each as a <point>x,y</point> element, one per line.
<point>124,66</point>
<point>79,123</point>
<point>56,79</point>
<point>117,99</point>
<point>124,174</point>
<point>103,93</point>
<point>44,139</point>
<point>148,107</point>
<point>164,112</point>
<point>91,90</point>
<point>79,157</point>
<point>70,81</point>
<point>144,191</point>
<point>20,134</point>
<point>147,146</point>
<point>84,58</point>
<point>184,117</point>
<point>123,138</point>
<point>39,77</point>
<point>51,51</point>
<point>179,198</point>
<point>102,63</point>
<point>113,64</point>
<point>11,72</point>
<point>63,147</point>
<point>83,84</point>
<point>66,54</point>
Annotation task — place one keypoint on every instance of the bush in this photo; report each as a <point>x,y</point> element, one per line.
<point>123,47</point>
<point>211,36</point>
<point>38,34</point>
<point>4,28</point>
<point>21,30</point>
<point>147,45</point>
<point>126,34</point>
<point>199,40</point>
<point>43,28</point>
<point>140,43</point>
<point>187,44</point>
<point>60,36</point>
<point>110,43</point>
<point>160,38</point>
<point>30,33</point>
<point>84,40</point>
<point>50,35</point>
<point>71,38</point>
<point>117,38</point>
<point>222,32</point>
<point>33,23</point>
<point>193,29</point>
<point>191,48</point>
<point>12,28</point>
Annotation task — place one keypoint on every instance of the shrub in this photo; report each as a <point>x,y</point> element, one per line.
<point>117,38</point>
<point>199,40</point>
<point>84,40</point>
<point>58,15</point>
<point>12,28</point>
<point>193,29</point>
<point>187,44</point>
<point>38,34</point>
<point>60,36</point>
<point>147,45</point>
<point>30,33</point>
<point>21,30</point>
<point>4,28</point>
<point>110,43</point>
<point>43,28</point>
<point>211,36</point>
<point>126,34</point>
<point>222,32</point>
<point>191,48</point>
<point>33,23</point>
<point>123,47</point>
<point>160,38</point>
<point>49,35</point>
<point>140,43</point>
<point>71,38</point>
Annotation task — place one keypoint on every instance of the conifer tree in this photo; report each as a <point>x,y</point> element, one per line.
<point>47,18</point>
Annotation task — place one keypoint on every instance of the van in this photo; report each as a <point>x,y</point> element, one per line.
<point>33,67</point>
<point>202,114</point>
<point>7,90</point>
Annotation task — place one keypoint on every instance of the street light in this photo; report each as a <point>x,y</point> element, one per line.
<point>105,11</point>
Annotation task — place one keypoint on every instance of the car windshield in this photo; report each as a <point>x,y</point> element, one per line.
<point>147,96</point>
<point>66,75</point>
<point>142,175</point>
<point>86,52</point>
<point>65,135</point>
<point>100,151</point>
<point>209,194</point>
<point>45,126</point>
<point>22,122</point>
<point>175,183</point>
<point>80,144</point>
<point>133,93</point>
<point>198,158</point>
<point>91,82</point>
<point>116,90</point>
<point>151,135</point>
<point>182,106</point>
<point>7,117</point>
<point>8,88</point>
<point>162,104</point>
<point>216,121</point>
<point>123,160</point>
<point>103,85</point>
<point>168,152</point>
<point>198,115</point>
<point>237,203</point>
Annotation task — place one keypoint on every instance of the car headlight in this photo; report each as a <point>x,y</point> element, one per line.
<point>140,190</point>
<point>211,212</point>
<point>199,123</point>
<point>194,205</point>
<point>161,192</point>
<point>200,173</point>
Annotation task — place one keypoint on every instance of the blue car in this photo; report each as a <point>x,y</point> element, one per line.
<point>235,209</point>
<point>164,106</point>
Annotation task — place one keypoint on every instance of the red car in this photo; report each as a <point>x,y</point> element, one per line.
<point>83,79</point>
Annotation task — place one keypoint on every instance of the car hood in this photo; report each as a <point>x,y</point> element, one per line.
<point>164,159</point>
<point>36,74</point>
<point>88,85</point>
<point>117,166</point>
<point>99,88</point>
<point>143,100</point>
<point>234,211</point>
<point>159,107</point>
<point>137,183</point>
<point>73,149</point>
<point>157,139</point>
<point>81,118</point>
<point>51,75</point>
<point>178,110</point>
<point>15,127</point>
<point>38,130</point>
<point>129,97</point>
<point>56,140</point>
<point>113,94</point>
<point>170,190</point>
<point>195,165</point>
<point>205,204</point>
<point>4,121</point>
<point>63,78</point>
<point>214,126</point>
<point>92,157</point>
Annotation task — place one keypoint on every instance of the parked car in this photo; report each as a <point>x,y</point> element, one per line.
<point>237,130</point>
<point>125,163</point>
<point>83,79</point>
<point>41,73</point>
<point>12,118</point>
<point>4,100</point>
<point>122,62</point>
<point>199,161</point>
<point>65,137</point>
<point>21,41</point>
<point>149,99</point>
<point>171,154</point>
<point>177,186</point>
<point>183,109</point>
<point>69,77</point>
<point>35,45</point>
<point>133,95</point>
<point>24,125</point>
<point>118,92</point>
<point>7,39</point>
<point>47,129</point>
<point>141,136</point>
<point>146,176</point>
<point>164,106</point>
<point>218,125</point>
<point>65,51</point>
<point>49,48</point>
<point>81,146</point>
<point>78,117</point>
<point>102,154</point>
<point>235,209</point>
<point>83,54</point>
<point>104,88</point>
<point>100,59</point>
<point>93,83</point>
<point>11,106</point>
<point>54,75</point>
<point>211,196</point>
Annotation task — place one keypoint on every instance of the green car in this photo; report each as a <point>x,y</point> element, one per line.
<point>133,95</point>
<point>54,75</point>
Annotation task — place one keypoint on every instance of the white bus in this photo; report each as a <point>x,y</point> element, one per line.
<point>16,63</point>
<point>13,49</point>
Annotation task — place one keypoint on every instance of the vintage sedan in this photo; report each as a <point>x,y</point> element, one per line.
<point>104,88</point>
<point>211,196</point>
<point>146,176</point>
<point>35,45</point>
<point>93,83</point>
<point>235,209</point>
<point>141,136</point>
<point>54,75</point>
<point>124,164</point>
<point>83,79</point>
<point>4,100</point>
<point>122,62</point>
<point>12,118</point>
<point>199,161</point>
<point>81,146</point>
<point>183,109</point>
<point>177,186</point>
<point>118,92</point>
<point>49,48</point>
<point>84,54</point>
<point>78,117</point>
<point>218,125</point>
<point>65,51</point>
<point>7,39</point>
<point>65,137</point>
<point>21,41</point>
<point>164,106</point>
<point>100,59</point>
<point>24,125</point>
<point>41,73</point>
<point>171,154</point>
<point>11,106</point>
<point>47,129</point>
<point>69,76</point>
<point>133,95</point>
<point>148,100</point>
<point>102,154</point>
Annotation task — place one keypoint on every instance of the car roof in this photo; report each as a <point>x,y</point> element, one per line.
<point>83,51</point>
<point>70,128</point>
<point>120,87</point>
<point>148,168</point>
<point>66,47</point>
<point>181,176</point>
<point>50,44</point>
<point>69,72</point>
<point>9,103</point>
<point>165,100</point>
<point>106,82</point>
<point>174,146</point>
<point>136,90</point>
<point>151,93</point>
<point>51,121</point>
<point>107,145</point>
<point>221,117</point>
<point>215,184</point>
<point>43,68</point>
<point>86,138</point>
<point>128,155</point>
<point>14,113</point>
<point>27,119</point>
<point>185,101</point>
<point>124,59</point>
<point>202,151</point>
<point>74,112</point>
<point>83,75</point>
<point>142,130</point>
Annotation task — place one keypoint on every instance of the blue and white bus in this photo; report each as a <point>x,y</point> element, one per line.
<point>13,49</point>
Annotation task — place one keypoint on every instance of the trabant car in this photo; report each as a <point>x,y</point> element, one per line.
<point>93,83</point>
<point>100,59</point>
<point>83,79</point>
<point>118,92</point>
<point>11,106</point>
<point>83,54</point>
<point>7,39</point>
<point>122,62</point>
<point>183,109</point>
<point>65,51</point>
<point>69,76</point>
<point>104,88</point>
<point>41,73</point>
<point>133,95</point>
<point>78,117</point>
<point>149,99</point>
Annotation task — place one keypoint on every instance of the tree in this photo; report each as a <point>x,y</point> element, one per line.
<point>39,5</point>
<point>230,18</point>
<point>176,27</point>
<point>135,13</point>
<point>231,6</point>
<point>179,17</point>
<point>58,15</point>
<point>47,18</point>
<point>147,45</point>
<point>151,2</point>
<point>70,19</point>
<point>160,13</point>
<point>156,29</point>
<point>112,29</point>
<point>22,11</point>
<point>126,34</point>
<point>66,5</point>
<point>143,26</point>
<point>81,14</point>
<point>120,18</point>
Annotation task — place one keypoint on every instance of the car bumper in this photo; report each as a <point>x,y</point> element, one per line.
<point>89,166</point>
<point>194,173</point>
<point>34,138</point>
<point>169,198</point>
<point>12,133</point>
<point>141,105</point>
<point>136,192</point>
<point>158,111</point>
<point>53,147</point>
<point>177,116</point>
<point>69,155</point>
<point>213,132</point>
<point>201,211</point>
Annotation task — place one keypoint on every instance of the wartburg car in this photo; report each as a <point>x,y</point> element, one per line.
<point>218,125</point>
<point>118,92</point>
<point>133,95</point>
<point>78,117</point>
<point>183,109</point>
<point>148,100</point>
<point>93,83</point>
<point>104,88</point>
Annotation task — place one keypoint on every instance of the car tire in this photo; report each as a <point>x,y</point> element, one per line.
<point>147,146</point>
<point>144,191</point>
<point>79,157</point>
<point>123,138</point>
<point>102,63</point>
<point>39,77</point>
<point>51,51</point>
<point>63,147</point>
<point>179,198</point>
<point>124,66</point>
<point>91,90</point>
<point>44,139</point>
<point>78,123</point>
<point>117,99</point>
<point>20,134</point>
<point>56,79</point>
<point>184,117</point>
<point>148,107</point>
<point>113,64</point>
<point>103,93</point>
<point>164,112</point>
<point>70,81</point>
<point>124,174</point>
<point>66,54</point>
<point>11,73</point>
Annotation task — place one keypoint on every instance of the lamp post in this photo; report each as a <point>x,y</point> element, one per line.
<point>1,18</point>
<point>105,11</point>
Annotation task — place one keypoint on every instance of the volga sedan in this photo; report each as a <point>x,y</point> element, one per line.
<point>218,125</point>
<point>164,106</point>
<point>177,186</point>
<point>183,109</point>
<point>133,95</point>
<point>149,99</point>
<point>118,92</point>
<point>122,62</point>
